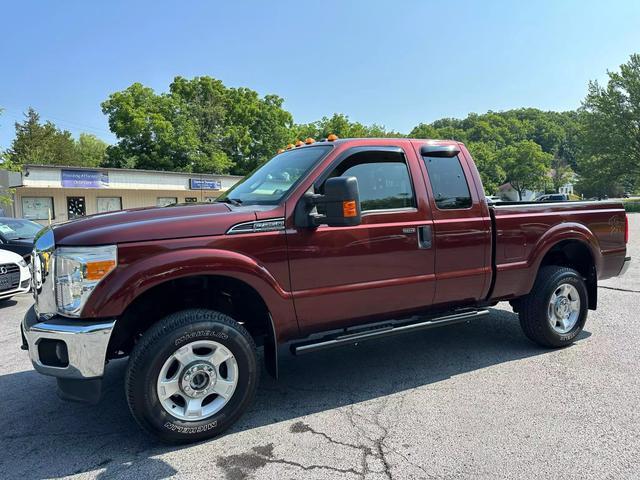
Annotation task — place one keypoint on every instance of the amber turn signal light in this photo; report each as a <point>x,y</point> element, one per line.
<point>98,270</point>
<point>349,208</point>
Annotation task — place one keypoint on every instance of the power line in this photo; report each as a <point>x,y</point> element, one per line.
<point>18,115</point>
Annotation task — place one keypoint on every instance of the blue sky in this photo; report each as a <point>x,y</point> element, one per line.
<point>393,63</point>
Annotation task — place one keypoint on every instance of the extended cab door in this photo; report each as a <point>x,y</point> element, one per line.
<point>462,226</point>
<point>381,268</point>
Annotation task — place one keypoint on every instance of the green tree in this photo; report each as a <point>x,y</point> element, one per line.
<point>526,166</point>
<point>340,125</point>
<point>489,166</point>
<point>6,195</point>
<point>91,151</point>
<point>488,134</point>
<point>154,131</point>
<point>198,126</point>
<point>560,173</point>
<point>44,144</point>
<point>610,135</point>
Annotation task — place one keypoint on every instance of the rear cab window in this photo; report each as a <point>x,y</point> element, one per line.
<point>448,182</point>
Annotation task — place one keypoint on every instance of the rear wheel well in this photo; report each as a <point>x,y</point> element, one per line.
<point>224,294</point>
<point>576,255</point>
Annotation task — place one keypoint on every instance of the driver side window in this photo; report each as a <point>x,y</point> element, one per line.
<point>383,180</point>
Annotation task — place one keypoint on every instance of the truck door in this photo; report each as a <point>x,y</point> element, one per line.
<point>383,266</point>
<point>461,222</point>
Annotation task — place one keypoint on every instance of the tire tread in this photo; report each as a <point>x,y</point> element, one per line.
<point>533,306</point>
<point>155,334</point>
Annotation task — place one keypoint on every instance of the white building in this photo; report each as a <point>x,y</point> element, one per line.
<point>46,192</point>
<point>507,192</point>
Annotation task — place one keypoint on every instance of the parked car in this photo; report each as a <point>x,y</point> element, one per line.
<point>553,197</point>
<point>15,277</point>
<point>325,245</point>
<point>16,235</point>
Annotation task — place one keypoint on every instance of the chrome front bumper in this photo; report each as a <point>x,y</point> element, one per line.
<point>66,348</point>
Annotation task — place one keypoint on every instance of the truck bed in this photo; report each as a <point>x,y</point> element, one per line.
<point>524,231</point>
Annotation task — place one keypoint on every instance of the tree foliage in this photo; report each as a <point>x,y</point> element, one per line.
<point>340,125</point>
<point>610,135</point>
<point>526,166</point>
<point>91,151</point>
<point>41,143</point>
<point>496,138</point>
<point>201,125</point>
<point>44,144</point>
<point>198,126</point>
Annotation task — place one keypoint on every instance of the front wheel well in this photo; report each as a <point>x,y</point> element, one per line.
<point>224,294</point>
<point>576,255</point>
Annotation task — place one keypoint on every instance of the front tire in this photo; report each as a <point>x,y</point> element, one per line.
<point>555,311</point>
<point>191,376</point>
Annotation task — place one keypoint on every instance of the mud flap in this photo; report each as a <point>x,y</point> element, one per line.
<point>271,351</point>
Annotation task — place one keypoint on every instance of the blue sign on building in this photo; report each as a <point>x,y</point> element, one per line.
<point>202,184</point>
<point>84,179</point>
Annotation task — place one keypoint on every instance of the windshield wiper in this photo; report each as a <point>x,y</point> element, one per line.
<point>233,201</point>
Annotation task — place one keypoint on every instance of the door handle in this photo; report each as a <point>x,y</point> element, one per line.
<point>424,236</point>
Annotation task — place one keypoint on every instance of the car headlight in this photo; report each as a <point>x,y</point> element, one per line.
<point>77,271</point>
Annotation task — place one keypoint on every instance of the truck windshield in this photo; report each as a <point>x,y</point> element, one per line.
<point>272,181</point>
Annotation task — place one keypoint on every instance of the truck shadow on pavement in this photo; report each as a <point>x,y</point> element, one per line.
<point>43,436</point>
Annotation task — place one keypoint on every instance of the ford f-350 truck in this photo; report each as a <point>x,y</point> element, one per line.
<point>329,243</point>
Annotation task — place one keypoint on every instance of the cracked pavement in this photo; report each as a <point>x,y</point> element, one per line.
<point>472,400</point>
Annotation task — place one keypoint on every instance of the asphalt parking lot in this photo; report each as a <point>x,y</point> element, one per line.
<point>476,400</point>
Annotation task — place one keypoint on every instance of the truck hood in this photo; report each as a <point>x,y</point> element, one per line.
<point>155,223</point>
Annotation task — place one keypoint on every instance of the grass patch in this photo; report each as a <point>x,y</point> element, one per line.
<point>632,206</point>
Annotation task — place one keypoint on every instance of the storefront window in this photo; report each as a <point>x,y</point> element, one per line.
<point>37,208</point>
<point>109,204</point>
<point>165,201</point>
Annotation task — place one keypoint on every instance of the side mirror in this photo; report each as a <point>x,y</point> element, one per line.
<point>340,205</point>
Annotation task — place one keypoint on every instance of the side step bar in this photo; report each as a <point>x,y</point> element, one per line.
<point>384,330</point>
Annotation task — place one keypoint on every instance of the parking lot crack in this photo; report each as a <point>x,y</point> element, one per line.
<point>619,289</point>
<point>238,467</point>
<point>301,427</point>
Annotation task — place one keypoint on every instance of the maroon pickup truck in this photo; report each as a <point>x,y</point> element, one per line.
<point>329,243</point>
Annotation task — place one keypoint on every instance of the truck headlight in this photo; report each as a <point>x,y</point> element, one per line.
<point>77,271</point>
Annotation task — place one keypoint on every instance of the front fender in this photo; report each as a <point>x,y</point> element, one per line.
<point>127,282</point>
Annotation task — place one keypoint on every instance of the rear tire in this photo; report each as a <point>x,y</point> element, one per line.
<point>555,311</point>
<point>191,376</point>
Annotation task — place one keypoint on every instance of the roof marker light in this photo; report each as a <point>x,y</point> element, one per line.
<point>309,141</point>
<point>332,137</point>
<point>299,143</point>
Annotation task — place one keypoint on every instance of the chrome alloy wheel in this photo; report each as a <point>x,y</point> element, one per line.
<point>564,308</point>
<point>197,380</point>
